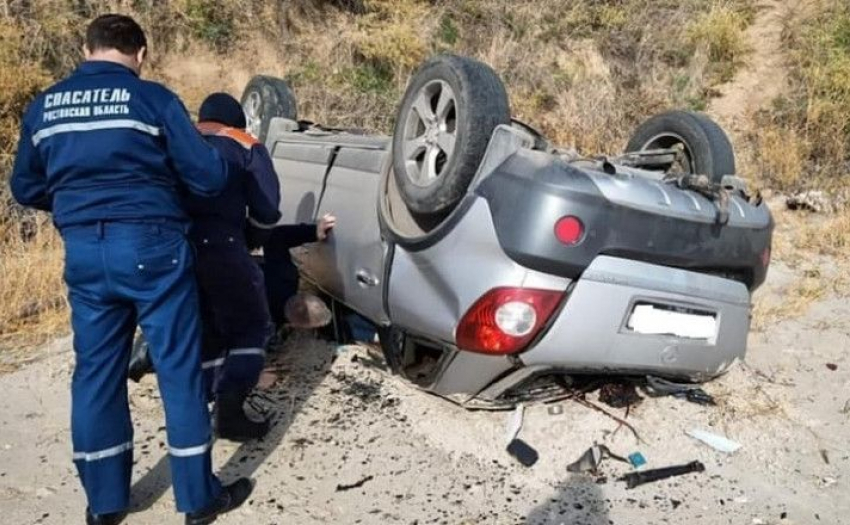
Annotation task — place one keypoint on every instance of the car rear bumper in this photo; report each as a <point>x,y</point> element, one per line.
<point>592,332</point>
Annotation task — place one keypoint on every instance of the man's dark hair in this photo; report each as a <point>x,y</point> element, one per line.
<point>115,32</point>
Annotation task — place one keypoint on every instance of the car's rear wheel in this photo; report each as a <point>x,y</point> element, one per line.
<point>706,148</point>
<point>265,98</point>
<point>443,125</point>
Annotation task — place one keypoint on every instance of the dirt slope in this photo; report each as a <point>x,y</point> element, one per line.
<point>762,78</point>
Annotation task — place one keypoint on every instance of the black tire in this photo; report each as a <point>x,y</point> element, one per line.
<point>265,98</point>
<point>707,147</point>
<point>479,104</point>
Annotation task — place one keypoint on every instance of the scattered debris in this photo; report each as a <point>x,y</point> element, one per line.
<point>366,391</point>
<point>846,409</point>
<point>555,410</point>
<point>342,349</point>
<point>824,455</point>
<point>675,503</point>
<point>657,387</point>
<point>621,421</point>
<point>815,201</point>
<point>619,395</point>
<point>832,366</point>
<point>523,452</point>
<point>357,485</point>
<point>635,479</point>
<point>592,459</point>
<point>514,423</point>
<point>637,460</point>
<point>828,482</point>
<point>715,441</point>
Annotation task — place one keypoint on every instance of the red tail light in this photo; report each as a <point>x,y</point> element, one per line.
<point>569,230</point>
<point>505,320</point>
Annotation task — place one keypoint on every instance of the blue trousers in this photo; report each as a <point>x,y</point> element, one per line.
<point>236,320</point>
<point>120,274</point>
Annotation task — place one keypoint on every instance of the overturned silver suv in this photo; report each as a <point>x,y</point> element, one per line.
<point>493,261</point>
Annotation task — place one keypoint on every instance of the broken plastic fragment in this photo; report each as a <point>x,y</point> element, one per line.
<point>555,410</point>
<point>657,387</point>
<point>715,441</point>
<point>634,479</point>
<point>514,423</point>
<point>637,460</point>
<point>523,452</point>
<point>592,458</point>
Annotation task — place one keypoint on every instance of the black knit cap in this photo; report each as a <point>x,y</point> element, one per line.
<point>224,109</point>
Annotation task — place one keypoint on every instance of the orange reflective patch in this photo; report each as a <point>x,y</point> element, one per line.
<point>239,136</point>
<point>220,130</point>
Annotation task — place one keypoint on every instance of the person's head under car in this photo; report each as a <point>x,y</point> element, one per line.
<point>116,38</point>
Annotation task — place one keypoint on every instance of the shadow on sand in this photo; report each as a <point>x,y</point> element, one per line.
<point>299,374</point>
<point>578,501</point>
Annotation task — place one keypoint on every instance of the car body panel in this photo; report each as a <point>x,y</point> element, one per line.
<point>355,247</point>
<point>302,168</point>
<point>660,223</point>
<point>590,332</point>
<point>451,275</point>
<point>502,235</point>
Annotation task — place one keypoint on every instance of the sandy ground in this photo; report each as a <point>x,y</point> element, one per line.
<point>341,418</point>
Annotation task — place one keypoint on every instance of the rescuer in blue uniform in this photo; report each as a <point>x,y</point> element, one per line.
<point>112,157</point>
<point>236,320</point>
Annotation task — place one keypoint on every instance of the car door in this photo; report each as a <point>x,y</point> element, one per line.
<point>301,167</point>
<point>354,254</point>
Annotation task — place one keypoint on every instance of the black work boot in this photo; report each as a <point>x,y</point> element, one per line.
<point>232,423</point>
<point>112,518</point>
<point>231,497</point>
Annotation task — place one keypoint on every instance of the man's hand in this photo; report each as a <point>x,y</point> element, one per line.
<point>324,226</point>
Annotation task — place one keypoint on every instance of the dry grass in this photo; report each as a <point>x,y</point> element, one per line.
<point>720,34</point>
<point>803,142</point>
<point>814,247</point>
<point>32,294</point>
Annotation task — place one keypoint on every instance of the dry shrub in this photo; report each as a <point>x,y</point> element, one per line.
<point>20,80</point>
<point>804,140</point>
<point>33,307</point>
<point>720,32</point>
<point>781,154</point>
<point>394,33</point>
